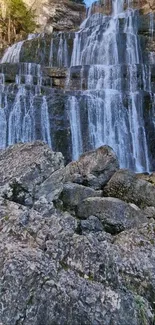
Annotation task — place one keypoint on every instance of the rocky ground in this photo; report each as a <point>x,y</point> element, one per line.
<point>77,243</point>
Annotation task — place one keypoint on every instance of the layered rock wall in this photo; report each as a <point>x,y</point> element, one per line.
<point>57,15</point>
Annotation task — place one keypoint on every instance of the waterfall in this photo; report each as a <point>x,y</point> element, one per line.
<point>114,103</point>
<point>108,97</point>
<point>75,127</point>
<point>59,55</point>
<point>117,6</point>
<point>45,124</point>
<point>12,53</point>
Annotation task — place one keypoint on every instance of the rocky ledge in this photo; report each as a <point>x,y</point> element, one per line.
<point>102,6</point>
<point>77,244</point>
<point>57,15</point>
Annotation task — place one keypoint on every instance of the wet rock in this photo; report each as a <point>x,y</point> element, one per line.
<point>115,215</point>
<point>127,186</point>
<point>94,168</point>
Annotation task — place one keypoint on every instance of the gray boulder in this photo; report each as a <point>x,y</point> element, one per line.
<point>125,185</point>
<point>73,194</point>
<point>114,214</point>
<point>51,275</point>
<point>94,168</point>
<point>24,167</point>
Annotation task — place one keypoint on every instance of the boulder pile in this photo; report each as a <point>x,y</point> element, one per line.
<point>77,242</point>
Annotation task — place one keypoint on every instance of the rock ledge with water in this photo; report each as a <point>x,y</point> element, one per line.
<point>69,255</point>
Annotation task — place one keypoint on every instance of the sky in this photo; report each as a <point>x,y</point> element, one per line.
<point>89,2</point>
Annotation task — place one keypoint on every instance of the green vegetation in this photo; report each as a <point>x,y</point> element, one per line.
<point>15,20</point>
<point>141,308</point>
<point>79,1</point>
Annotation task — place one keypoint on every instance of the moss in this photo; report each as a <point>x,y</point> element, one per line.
<point>152,242</point>
<point>141,308</point>
<point>64,265</point>
<point>6,218</point>
<point>30,300</point>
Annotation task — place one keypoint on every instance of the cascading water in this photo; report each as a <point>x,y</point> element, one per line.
<point>110,83</point>
<point>19,106</point>
<point>12,53</point>
<point>114,102</point>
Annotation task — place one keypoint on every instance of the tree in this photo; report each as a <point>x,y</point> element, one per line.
<point>17,19</point>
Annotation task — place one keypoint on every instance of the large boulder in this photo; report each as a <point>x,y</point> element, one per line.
<point>24,167</point>
<point>73,194</point>
<point>94,168</point>
<point>114,214</point>
<point>126,186</point>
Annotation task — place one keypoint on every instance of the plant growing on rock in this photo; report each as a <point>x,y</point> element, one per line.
<point>15,20</point>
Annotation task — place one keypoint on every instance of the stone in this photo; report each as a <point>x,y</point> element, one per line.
<point>73,194</point>
<point>46,267</point>
<point>56,15</point>
<point>150,212</point>
<point>91,224</point>
<point>127,186</point>
<point>95,168</point>
<point>114,214</point>
<point>52,187</point>
<point>24,167</point>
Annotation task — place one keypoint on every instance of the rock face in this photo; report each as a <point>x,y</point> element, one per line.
<point>125,185</point>
<point>145,6</point>
<point>57,15</point>
<point>59,269</point>
<point>93,169</point>
<point>114,214</point>
<point>25,168</point>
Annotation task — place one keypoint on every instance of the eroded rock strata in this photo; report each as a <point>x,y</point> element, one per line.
<point>68,254</point>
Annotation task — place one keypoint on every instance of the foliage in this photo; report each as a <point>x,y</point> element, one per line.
<point>79,1</point>
<point>17,20</point>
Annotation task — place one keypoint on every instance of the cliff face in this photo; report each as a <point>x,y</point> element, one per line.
<point>57,15</point>
<point>145,6</point>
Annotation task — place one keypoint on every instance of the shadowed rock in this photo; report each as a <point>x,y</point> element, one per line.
<point>127,186</point>
<point>94,168</point>
<point>114,214</point>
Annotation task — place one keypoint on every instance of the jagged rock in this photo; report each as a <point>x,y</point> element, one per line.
<point>46,267</point>
<point>58,15</point>
<point>24,167</point>
<point>56,269</point>
<point>94,168</point>
<point>150,212</point>
<point>114,214</point>
<point>74,194</point>
<point>125,185</point>
<point>145,6</point>
<point>91,224</point>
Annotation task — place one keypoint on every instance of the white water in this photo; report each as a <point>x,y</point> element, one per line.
<point>59,58</point>
<point>45,124</point>
<point>75,123</point>
<point>106,49</point>
<point>12,53</point>
<point>111,109</point>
